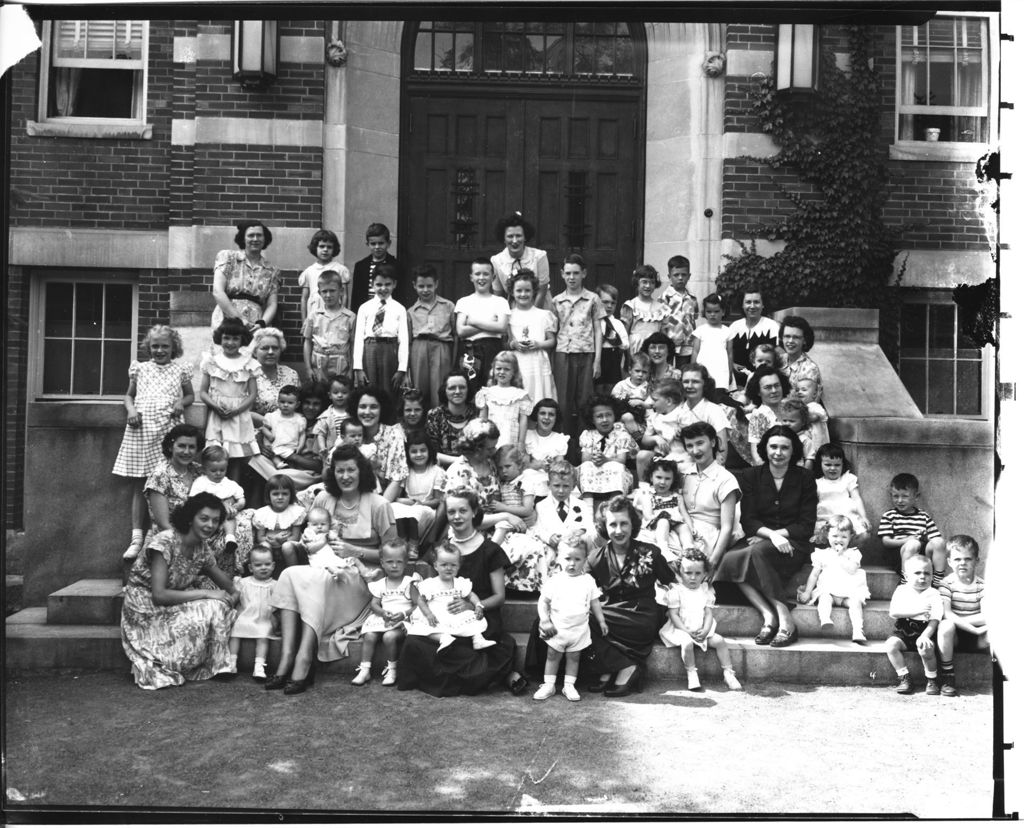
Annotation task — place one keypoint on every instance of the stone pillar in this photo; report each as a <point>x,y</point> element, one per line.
<point>685,125</point>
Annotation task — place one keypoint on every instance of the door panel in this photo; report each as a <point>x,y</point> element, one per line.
<point>569,166</point>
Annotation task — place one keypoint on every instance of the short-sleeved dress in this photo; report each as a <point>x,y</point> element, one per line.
<point>267,390</point>
<point>278,524</point>
<point>713,354</point>
<point>392,600</point>
<point>386,452</point>
<point>835,579</point>
<point>835,497</point>
<point>462,475</point>
<point>612,475</point>
<point>691,604</point>
<point>247,285</point>
<point>535,366</point>
<point>255,614</point>
<point>229,378</point>
<point>443,434</point>
<point>438,595</point>
<point>544,448</point>
<point>647,319</point>
<point>505,405</point>
<point>570,597</point>
<point>157,389</point>
<point>419,485</point>
<point>169,645</point>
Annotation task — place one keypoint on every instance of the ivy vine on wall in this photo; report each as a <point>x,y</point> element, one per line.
<point>839,250</point>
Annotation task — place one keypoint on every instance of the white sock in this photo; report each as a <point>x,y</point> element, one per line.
<point>392,665</point>
<point>364,665</point>
<point>549,679</point>
<point>137,534</point>
<point>568,681</point>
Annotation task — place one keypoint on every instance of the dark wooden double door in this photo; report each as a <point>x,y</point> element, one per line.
<point>571,166</point>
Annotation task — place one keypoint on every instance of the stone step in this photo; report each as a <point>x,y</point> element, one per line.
<point>89,601</point>
<point>32,644</point>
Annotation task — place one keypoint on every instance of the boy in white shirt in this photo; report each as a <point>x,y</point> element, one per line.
<point>481,320</point>
<point>381,345</point>
<point>916,607</point>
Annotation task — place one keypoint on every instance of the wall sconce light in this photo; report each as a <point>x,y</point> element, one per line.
<point>796,58</point>
<point>254,49</point>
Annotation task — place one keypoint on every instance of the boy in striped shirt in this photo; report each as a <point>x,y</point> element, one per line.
<point>962,620</point>
<point>909,530</point>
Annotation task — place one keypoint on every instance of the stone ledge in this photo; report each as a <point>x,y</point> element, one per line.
<point>925,434</point>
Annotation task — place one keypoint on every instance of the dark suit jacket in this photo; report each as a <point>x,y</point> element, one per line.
<point>403,292</point>
<point>792,507</point>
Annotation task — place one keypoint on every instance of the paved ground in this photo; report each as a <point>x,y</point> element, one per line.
<point>95,740</point>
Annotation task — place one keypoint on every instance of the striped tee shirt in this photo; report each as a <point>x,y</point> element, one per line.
<point>964,599</point>
<point>895,524</point>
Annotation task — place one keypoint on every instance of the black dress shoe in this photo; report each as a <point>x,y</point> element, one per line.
<point>634,683</point>
<point>275,682</point>
<point>599,685</point>
<point>293,688</point>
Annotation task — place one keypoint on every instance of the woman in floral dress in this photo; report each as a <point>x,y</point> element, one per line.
<point>173,628</point>
<point>444,423</point>
<point>244,283</point>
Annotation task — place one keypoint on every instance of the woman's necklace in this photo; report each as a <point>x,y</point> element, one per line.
<point>349,506</point>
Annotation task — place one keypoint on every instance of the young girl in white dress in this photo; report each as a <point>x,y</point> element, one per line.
<point>712,343</point>
<point>421,496</point>
<point>504,401</point>
<point>544,443</point>
<point>158,392</point>
<point>691,622</point>
<point>525,552</point>
<point>531,335</point>
<point>605,448</point>
<point>433,619</point>
<point>228,387</point>
<point>394,597</point>
<point>567,600</point>
<point>255,617</point>
<point>837,579</point>
<point>280,521</point>
<point>838,494</point>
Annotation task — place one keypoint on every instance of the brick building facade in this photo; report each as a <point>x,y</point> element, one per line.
<point>327,145</point>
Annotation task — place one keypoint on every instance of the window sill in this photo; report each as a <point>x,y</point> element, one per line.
<point>936,151</point>
<point>89,129</point>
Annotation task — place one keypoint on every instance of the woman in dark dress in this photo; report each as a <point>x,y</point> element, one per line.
<point>779,500</point>
<point>459,669</point>
<point>626,570</point>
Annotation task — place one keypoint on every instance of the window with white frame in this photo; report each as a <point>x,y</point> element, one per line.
<point>85,336</point>
<point>93,76</point>
<point>945,370</point>
<point>944,84</point>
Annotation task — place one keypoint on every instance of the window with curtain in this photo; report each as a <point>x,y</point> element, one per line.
<point>943,88</point>
<point>86,337</point>
<point>93,71</point>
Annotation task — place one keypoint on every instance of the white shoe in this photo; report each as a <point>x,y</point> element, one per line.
<point>570,692</point>
<point>481,643</point>
<point>361,677</point>
<point>859,637</point>
<point>731,681</point>
<point>826,622</point>
<point>545,691</point>
<point>447,640</point>
<point>390,676</point>
<point>693,681</point>
<point>259,670</point>
<point>133,550</point>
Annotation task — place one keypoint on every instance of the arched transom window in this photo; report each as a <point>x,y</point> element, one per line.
<point>582,51</point>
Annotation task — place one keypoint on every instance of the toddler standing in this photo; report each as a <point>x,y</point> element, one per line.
<point>567,600</point>
<point>916,607</point>
<point>433,619</point>
<point>691,622</point>
<point>393,598</point>
<point>712,343</point>
<point>158,393</point>
<point>255,617</point>
<point>837,579</point>
<point>214,479</point>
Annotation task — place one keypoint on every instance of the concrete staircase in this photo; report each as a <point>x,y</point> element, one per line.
<point>78,629</point>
